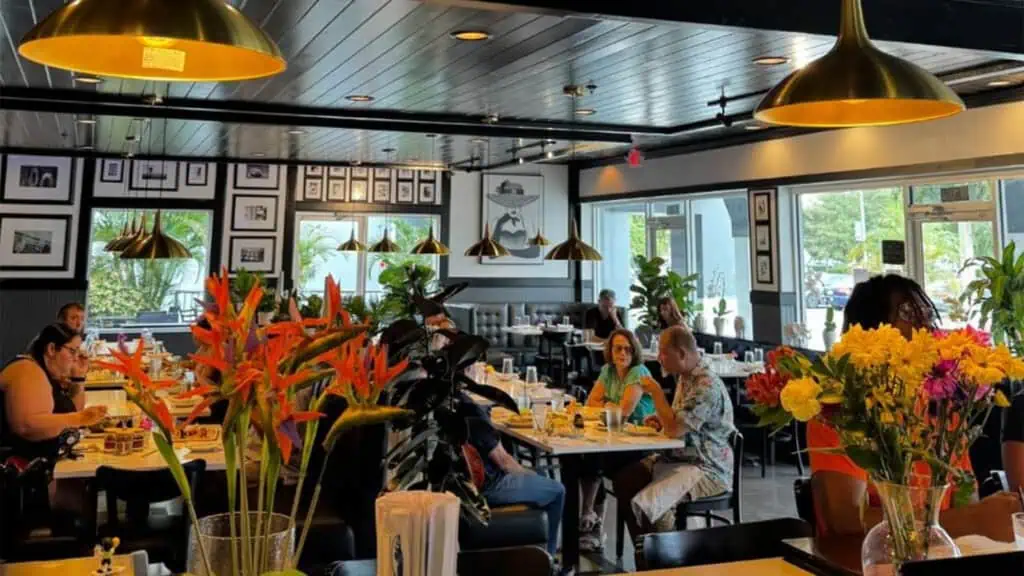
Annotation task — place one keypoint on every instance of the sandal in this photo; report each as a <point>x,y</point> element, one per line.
<point>588,522</point>
<point>592,542</point>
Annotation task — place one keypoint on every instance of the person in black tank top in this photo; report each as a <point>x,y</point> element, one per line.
<point>37,397</point>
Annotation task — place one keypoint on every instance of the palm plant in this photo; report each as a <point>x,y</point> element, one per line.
<point>652,286</point>
<point>996,297</point>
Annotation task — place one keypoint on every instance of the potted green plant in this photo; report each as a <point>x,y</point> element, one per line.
<point>721,311</point>
<point>996,297</point>
<point>829,333</point>
<point>652,285</point>
<point>402,283</point>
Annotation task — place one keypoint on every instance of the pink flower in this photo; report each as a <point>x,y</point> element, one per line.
<point>943,381</point>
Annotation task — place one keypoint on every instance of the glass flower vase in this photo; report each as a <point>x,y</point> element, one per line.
<point>909,531</point>
<point>269,551</point>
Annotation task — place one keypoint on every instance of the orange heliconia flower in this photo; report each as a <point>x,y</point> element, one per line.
<point>361,371</point>
<point>141,388</point>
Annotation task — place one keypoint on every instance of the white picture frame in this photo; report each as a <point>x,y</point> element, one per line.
<point>34,242</point>
<point>513,207</point>
<point>382,191</point>
<point>336,190</point>
<point>38,180</point>
<point>257,176</point>
<point>405,194</point>
<point>253,253</point>
<point>253,213</point>
<point>112,171</point>
<point>763,238</point>
<point>154,176</point>
<point>358,190</point>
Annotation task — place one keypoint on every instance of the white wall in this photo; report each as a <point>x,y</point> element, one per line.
<point>977,133</point>
<point>466,228</point>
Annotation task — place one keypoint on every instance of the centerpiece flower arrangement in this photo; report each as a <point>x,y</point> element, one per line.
<point>899,406</point>
<point>262,369</point>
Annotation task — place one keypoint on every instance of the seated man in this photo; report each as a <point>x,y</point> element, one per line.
<point>505,480</point>
<point>700,414</point>
<point>1013,439</point>
<point>72,315</point>
<point>604,319</point>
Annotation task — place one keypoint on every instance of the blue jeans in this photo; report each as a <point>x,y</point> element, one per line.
<point>535,491</point>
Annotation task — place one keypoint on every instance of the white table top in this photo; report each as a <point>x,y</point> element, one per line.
<point>765,567</point>
<point>118,405</point>
<point>593,441</point>
<point>148,459</point>
<point>530,330</point>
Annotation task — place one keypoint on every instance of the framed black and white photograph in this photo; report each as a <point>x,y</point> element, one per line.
<point>313,189</point>
<point>360,172</point>
<point>762,210</point>
<point>154,175</point>
<point>513,206</point>
<point>252,253</point>
<point>336,190</point>
<point>112,170</point>
<point>764,269</point>
<point>35,243</point>
<point>763,238</point>
<point>428,175</point>
<point>428,193</point>
<point>257,176</point>
<point>196,174</point>
<point>406,174</point>
<point>337,171</point>
<point>251,213</point>
<point>357,190</point>
<point>314,171</point>
<point>38,180</point>
<point>382,174</point>
<point>382,191</point>
<point>405,192</point>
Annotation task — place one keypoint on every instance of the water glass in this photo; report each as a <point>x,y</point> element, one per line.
<point>718,349</point>
<point>759,355</point>
<point>1018,530</point>
<point>540,416</point>
<point>565,321</point>
<point>557,401</point>
<point>613,418</point>
<point>507,367</point>
<point>531,374</point>
<point>748,357</point>
<point>519,321</point>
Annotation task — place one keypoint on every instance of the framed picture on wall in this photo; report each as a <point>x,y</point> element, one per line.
<point>405,192</point>
<point>337,171</point>
<point>314,171</point>
<point>253,253</point>
<point>196,174</point>
<point>35,243</point>
<point>382,191</point>
<point>382,174</point>
<point>257,176</point>
<point>764,269</point>
<point>763,238</point>
<point>38,180</point>
<point>155,175</point>
<point>357,190</point>
<point>336,190</point>
<point>427,193</point>
<point>513,207</point>
<point>112,170</point>
<point>406,174</point>
<point>428,175</point>
<point>313,189</point>
<point>253,213</point>
<point>762,207</point>
<point>360,172</point>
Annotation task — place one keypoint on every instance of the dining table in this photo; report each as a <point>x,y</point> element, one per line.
<point>118,405</point>
<point>89,456</point>
<point>760,567</point>
<point>570,451</point>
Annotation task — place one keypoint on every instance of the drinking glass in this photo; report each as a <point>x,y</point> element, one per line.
<point>540,416</point>
<point>759,355</point>
<point>718,349</point>
<point>557,401</point>
<point>748,357</point>
<point>531,374</point>
<point>519,321</point>
<point>506,366</point>
<point>565,321</point>
<point>613,418</point>
<point>1018,530</point>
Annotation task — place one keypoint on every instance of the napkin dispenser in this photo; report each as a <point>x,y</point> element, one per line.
<point>417,534</point>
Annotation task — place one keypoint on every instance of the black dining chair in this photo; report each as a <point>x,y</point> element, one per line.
<point>28,528</point>
<point>163,537</point>
<point>718,545</point>
<point>707,507</point>
<point>516,561</point>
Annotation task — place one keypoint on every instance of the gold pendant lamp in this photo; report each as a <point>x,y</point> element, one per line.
<point>431,246</point>
<point>573,249</point>
<point>487,246</point>
<point>856,84</point>
<point>115,243</point>
<point>385,245</point>
<point>352,245</point>
<point>136,239</point>
<point>171,40</point>
<point>539,240</point>
<point>157,246</point>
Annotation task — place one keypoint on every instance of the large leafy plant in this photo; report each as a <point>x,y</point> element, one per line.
<point>403,283</point>
<point>996,297</point>
<point>652,285</point>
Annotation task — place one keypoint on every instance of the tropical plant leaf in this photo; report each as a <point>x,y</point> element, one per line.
<point>465,350</point>
<point>407,445</point>
<point>355,416</point>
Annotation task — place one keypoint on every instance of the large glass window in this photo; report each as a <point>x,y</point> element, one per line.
<point>621,234</point>
<point>138,293</point>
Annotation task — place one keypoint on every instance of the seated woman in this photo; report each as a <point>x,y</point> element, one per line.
<point>619,384</point>
<point>40,400</point>
<point>839,486</point>
<point>668,313</point>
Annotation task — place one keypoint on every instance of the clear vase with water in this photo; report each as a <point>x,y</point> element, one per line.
<point>909,531</point>
<point>269,550</point>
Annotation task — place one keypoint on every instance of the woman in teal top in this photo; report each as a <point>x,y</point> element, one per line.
<point>620,383</point>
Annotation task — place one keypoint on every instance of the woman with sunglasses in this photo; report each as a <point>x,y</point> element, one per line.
<point>839,486</point>
<point>39,398</point>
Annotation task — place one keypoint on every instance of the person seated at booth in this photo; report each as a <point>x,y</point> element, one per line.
<point>72,315</point>
<point>604,318</point>
<point>669,314</point>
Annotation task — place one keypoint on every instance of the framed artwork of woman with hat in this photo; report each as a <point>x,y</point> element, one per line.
<point>513,205</point>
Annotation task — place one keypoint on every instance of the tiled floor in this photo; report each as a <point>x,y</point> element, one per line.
<point>763,499</point>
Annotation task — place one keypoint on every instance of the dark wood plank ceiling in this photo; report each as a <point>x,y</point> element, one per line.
<point>401,52</point>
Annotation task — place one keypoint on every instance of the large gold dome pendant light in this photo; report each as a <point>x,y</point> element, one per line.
<point>352,245</point>
<point>487,247</point>
<point>856,84</point>
<point>385,245</point>
<point>431,246</point>
<point>157,246</point>
<point>172,40</point>
<point>573,249</point>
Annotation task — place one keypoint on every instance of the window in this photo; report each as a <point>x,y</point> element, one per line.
<point>320,234</point>
<point>136,293</point>
<point>616,271</point>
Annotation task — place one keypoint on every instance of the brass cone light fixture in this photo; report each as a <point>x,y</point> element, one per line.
<point>136,239</point>
<point>856,84</point>
<point>157,246</point>
<point>487,246</point>
<point>431,246</point>
<point>115,243</point>
<point>573,249</point>
<point>352,245</point>
<point>539,240</point>
<point>385,245</point>
<point>172,40</point>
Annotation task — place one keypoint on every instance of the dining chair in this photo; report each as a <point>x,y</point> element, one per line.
<point>717,545</point>
<point>164,537</point>
<point>28,529</point>
<point>730,500</point>
<point>515,561</point>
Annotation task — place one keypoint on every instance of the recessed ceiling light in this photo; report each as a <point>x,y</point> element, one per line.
<point>88,79</point>
<point>258,155</point>
<point>770,60</point>
<point>478,141</point>
<point>359,98</point>
<point>296,131</point>
<point>471,35</point>
<point>999,83</point>
<point>86,120</point>
<point>586,112</point>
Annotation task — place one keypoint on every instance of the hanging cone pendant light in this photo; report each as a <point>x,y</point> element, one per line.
<point>856,84</point>
<point>539,240</point>
<point>385,245</point>
<point>172,40</point>
<point>352,245</point>
<point>138,237</point>
<point>115,243</point>
<point>573,249</point>
<point>157,246</point>
<point>487,246</point>
<point>431,246</point>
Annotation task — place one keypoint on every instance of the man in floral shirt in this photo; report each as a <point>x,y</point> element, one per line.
<point>701,415</point>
